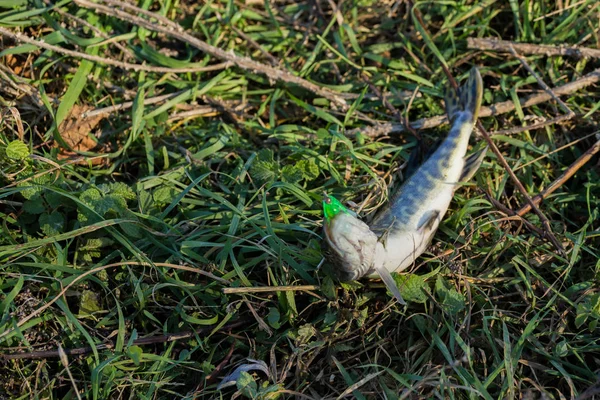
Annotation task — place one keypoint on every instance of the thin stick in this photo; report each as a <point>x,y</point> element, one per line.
<point>274,61</point>
<point>245,63</point>
<point>547,229</point>
<point>169,337</point>
<point>573,168</point>
<point>492,44</point>
<point>200,111</point>
<point>213,375</point>
<point>494,110</point>
<point>65,362</point>
<point>267,289</point>
<point>518,129</point>
<point>541,82</point>
<point>126,51</point>
<point>513,214</point>
<point>558,149</point>
<point>380,97</point>
<point>140,11</point>
<point>101,60</point>
<point>129,104</point>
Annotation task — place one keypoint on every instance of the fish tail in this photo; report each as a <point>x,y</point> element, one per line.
<point>467,100</point>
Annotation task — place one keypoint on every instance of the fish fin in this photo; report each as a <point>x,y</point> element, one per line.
<point>472,164</point>
<point>413,163</point>
<point>428,220</point>
<point>471,93</point>
<point>452,102</point>
<point>389,281</point>
<point>468,99</point>
<point>418,157</point>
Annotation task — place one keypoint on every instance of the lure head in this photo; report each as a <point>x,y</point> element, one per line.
<point>332,207</point>
<point>349,243</point>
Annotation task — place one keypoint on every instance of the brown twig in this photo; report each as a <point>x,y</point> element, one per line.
<point>140,11</point>
<point>245,63</point>
<point>129,104</point>
<point>213,375</point>
<point>519,129</point>
<point>272,59</point>
<point>573,168</point>
<point>102,60</point>
<point>513,214</point>
<point>267,289</point>
<point>558,149</point>
<point>126,51</point>
<point>541,82</point>
<point>78,351</point>
<point>531,49</point>
<point>546,223</point>
<point>200,111</point>
<point>494,110</point>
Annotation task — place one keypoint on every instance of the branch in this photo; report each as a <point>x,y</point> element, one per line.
<point>493,110</point>
<point>101,60</point>
<point>176,31</point>
<point>129,104</point>
<point>531,49</point>
<point>541,82</point>
<point>573,168</point>
<point>267,289</point>
<point>532,127</point>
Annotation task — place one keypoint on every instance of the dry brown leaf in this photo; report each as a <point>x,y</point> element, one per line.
<point>75,131</point>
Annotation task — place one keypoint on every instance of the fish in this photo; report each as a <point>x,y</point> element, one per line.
<point>404,228</point>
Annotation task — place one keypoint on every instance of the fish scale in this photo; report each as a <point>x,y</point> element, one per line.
<point>404,228</point>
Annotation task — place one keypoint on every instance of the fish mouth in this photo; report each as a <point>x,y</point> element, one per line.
<point>351,246</point>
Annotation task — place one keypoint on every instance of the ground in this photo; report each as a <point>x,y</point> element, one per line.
<point>161,163</point>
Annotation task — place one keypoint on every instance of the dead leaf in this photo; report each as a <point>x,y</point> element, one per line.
<point>75,131</point>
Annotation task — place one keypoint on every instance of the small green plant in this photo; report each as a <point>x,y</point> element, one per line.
<point>588,312</point>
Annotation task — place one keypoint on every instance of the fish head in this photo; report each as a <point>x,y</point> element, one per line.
<point>350,245</point>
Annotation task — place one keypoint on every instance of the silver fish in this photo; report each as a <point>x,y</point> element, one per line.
<point>402,231</point>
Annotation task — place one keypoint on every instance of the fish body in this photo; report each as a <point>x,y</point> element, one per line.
<point>406,226</point>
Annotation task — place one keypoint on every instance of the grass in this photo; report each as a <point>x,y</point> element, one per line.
<point>119,232</point>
